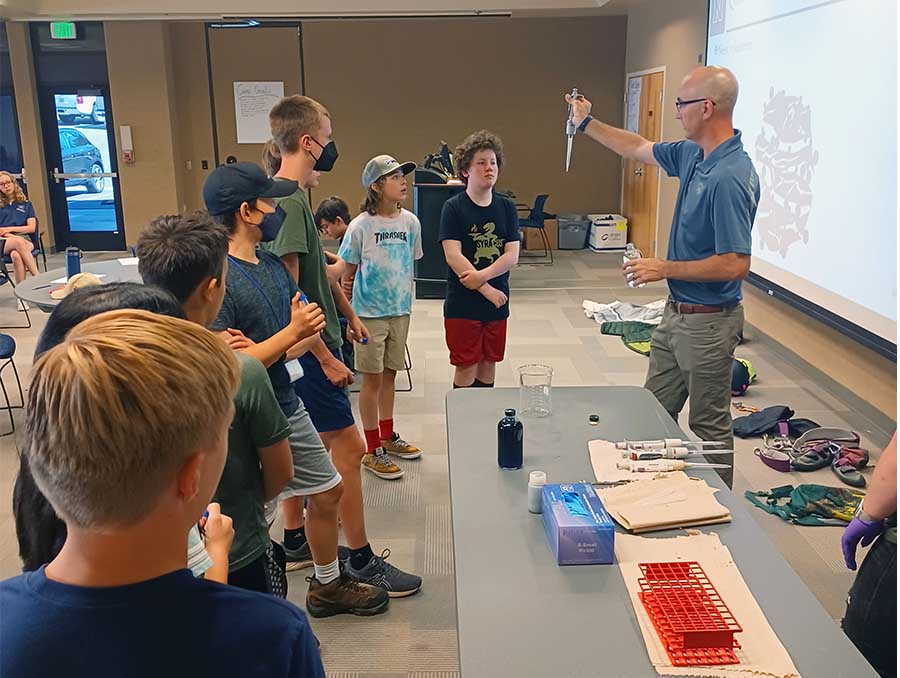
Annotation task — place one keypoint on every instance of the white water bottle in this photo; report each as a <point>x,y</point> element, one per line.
<point>631,252</point>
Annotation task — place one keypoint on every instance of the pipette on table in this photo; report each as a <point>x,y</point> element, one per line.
<point>663,465</point>
<point>570,130</point>
<point>666,442</point>
<point>667,453</point>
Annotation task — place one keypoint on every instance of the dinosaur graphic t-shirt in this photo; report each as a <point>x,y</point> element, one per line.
<point>483,233</point>
<point>384,249</point>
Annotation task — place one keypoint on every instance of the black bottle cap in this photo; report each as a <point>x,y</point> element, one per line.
<point>594,418</point>
<point>510,412</point>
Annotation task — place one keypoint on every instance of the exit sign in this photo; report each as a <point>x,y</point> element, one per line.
<point>62,30</point>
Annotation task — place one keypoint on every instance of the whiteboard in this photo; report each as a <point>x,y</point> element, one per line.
<point>252,103</point>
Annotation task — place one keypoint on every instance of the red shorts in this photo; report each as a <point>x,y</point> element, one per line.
<point>473,341</point>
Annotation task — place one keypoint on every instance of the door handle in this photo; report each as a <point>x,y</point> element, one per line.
<point>62,176</point>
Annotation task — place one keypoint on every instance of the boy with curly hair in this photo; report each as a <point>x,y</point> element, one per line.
<point>479,232</point>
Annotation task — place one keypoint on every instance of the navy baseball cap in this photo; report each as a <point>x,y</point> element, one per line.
<point>228,186</point>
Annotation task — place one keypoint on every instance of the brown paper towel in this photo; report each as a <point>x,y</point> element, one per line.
<point>668,501</point>
<point>761,653</point>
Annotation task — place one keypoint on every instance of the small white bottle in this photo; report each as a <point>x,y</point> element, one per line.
<point>631,252</point>
<point>536,482</point>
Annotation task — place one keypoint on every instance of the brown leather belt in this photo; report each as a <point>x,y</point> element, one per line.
<point>695,308</point>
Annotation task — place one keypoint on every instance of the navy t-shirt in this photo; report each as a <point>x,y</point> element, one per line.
<point>716,206</point>
<point>483,233</point>
<point>258,303</point>
<point>174,625</point>
<point>16,214</point>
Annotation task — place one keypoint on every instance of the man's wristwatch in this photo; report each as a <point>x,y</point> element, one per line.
<point>585,123</point>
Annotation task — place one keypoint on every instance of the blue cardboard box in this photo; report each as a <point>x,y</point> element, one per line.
<point>578,527</point>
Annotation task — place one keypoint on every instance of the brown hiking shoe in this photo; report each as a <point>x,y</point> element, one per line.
<point>345,596</point>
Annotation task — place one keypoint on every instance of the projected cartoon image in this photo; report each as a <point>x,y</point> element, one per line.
<point>785,161</point>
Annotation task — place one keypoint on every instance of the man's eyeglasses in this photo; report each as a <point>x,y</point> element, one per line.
<point>679,104</point>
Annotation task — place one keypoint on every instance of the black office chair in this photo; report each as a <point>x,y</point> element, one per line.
<point>7,352</point>
<point>535,219</point>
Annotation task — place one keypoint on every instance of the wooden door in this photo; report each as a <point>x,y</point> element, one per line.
<point>640,182</point>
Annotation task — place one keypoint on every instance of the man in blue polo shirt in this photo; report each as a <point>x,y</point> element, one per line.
<point>692,350</point>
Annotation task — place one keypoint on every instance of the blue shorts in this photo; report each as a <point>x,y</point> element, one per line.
<point>328,406</point>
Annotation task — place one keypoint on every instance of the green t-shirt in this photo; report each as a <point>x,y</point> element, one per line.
<point>299,235</point>
<point>258,422</point>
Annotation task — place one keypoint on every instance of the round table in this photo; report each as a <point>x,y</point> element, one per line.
<point>36,290</point>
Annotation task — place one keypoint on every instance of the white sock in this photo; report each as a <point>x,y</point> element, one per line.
<point>325,574</point>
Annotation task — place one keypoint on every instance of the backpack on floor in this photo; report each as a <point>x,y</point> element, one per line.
<point>809,504</point>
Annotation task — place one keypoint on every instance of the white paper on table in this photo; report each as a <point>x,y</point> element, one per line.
<point>604,458</point>
<point>65,279</point>
<point>761,653</point>
<point>252,103</point>
<point>129,261</point>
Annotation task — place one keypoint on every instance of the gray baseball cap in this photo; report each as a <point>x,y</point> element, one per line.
<point>382,165</point>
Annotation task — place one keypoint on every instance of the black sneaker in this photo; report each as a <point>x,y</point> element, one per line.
<point>301,558</point>
<point>345,596</point>
<point>381,573</point>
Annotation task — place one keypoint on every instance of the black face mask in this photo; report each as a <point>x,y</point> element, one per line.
<point>271,224</point>
<point>325,161</point>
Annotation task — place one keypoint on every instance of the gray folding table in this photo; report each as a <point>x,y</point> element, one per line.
<point>521,615</point>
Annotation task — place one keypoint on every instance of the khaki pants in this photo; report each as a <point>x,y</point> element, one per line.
<point>691,355</point>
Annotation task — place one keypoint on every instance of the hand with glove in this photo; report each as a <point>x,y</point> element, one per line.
<point>859,531</point>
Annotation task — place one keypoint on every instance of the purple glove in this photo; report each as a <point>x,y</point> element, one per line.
<point>858,530</point>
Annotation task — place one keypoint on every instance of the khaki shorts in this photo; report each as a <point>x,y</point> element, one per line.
<point>387,345</point>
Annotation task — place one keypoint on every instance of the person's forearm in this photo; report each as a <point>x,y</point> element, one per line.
<point>458,263</point>
<point>506,261</point>
<point>881,498</point>
<point>270,350</point>
<point>340,299</point>
<point>484,289</point>
<point>19,230</point>
<point>219,570</point>
<point>321,351</point>
<point>302,346</point>
<point>623,142</point>
<point>717,268</point>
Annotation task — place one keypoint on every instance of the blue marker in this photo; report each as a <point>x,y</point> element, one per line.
<point>304,298</point>
<point>206,514</point>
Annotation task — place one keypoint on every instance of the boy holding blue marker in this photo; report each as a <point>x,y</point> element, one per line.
<point>263,302</point>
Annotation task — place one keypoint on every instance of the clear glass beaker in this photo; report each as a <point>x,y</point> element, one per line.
<point>534,390</point>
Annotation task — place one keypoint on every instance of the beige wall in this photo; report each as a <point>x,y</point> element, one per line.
<point>194,130</point>
<point>249,54</point>
<point>673,34</point>
<point>28,112</point>
<point>400,87</point>
<point>142,92</point>
<point>407,108</point>
<point>670,34</point>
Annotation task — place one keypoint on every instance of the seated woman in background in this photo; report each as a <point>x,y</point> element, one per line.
<point>17,222</point>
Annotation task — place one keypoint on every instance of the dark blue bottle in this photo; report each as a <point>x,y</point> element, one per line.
<point>73,261</point>
<point>509,442</point>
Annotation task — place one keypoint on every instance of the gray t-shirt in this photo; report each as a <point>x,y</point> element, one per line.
<point>258,303</point>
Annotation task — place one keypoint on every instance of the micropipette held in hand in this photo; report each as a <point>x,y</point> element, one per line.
<point>663,465</point>
<point>667,442</point>
<point>570,129</point>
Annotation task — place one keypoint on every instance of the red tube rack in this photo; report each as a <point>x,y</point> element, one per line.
<point>692,620</point>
